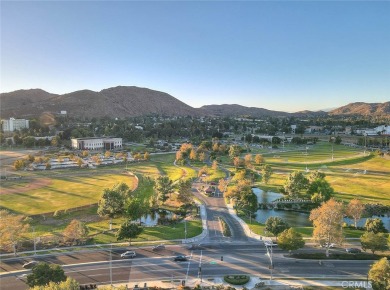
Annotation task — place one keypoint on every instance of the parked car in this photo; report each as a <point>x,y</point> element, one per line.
<point>353,250</point>
<point>128,254</point>
<point>159,247</point>
<point>180,258</point>
<point>29,265</point>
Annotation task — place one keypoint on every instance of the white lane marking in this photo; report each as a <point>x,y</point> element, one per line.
<point>188,267</point>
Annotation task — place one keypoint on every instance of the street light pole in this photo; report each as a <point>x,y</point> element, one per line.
<point>185,230</point>
<point>270,258</point>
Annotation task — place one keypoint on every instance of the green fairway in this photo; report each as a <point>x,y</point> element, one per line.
<point>63,191</point>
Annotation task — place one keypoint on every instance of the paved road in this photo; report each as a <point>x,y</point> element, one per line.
<point>148,265</point>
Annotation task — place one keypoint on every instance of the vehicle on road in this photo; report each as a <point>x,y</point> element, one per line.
<point>128,254</point>
<point>29,265</point>
<point>180,258</point>
<point>353,250</point>
<point>331,245</point>
<point>159,247</point>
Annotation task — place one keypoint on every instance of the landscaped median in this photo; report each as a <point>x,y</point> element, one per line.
<point>225,227</point>
<point>236,279</point>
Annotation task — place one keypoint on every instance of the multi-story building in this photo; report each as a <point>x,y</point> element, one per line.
<point>96,143</point>
<point>14,124</point>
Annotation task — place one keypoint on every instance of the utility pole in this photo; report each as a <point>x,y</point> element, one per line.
<point>111,265</point>
<point>35,242</point>
<point>185,230</point>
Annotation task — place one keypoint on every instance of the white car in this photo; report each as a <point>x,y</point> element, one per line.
<point>128,254</point>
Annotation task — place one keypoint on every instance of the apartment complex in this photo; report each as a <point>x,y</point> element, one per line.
<point>96,143</point>
<point>14,124</point>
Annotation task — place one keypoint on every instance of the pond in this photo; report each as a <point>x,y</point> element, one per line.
<point>294,219</point>
<point>152,219</point>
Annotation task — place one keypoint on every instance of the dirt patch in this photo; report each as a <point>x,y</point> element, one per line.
<point>34,184</point>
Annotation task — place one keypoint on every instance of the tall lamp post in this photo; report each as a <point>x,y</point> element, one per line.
<point>269,254</point>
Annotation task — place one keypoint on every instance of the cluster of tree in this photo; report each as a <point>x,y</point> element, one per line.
<point>315,186</point>
<point>13,227</point>
<point>288,238</point>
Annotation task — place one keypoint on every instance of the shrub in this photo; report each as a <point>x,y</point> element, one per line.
<point>236,279</point>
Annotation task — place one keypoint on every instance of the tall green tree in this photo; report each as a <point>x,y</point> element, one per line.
<point>43,273</point>
<point>375,225</point>
<point>266,173</point>
<point>185,195</point>
<point>276,225</point>
<point>129,231</point>
<point>320,190</point>
<point>379,275</point>
<point>136,208</point>
<point>374,242</point>
<point>112,202</point>
<point>163,188</point>
<point>290,240</point>
<point>295,183</point>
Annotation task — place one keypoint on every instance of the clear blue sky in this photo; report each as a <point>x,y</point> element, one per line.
<point>279,55</point>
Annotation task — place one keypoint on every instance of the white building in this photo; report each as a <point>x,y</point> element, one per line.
<point>96,143</point>
<point>14,124</point>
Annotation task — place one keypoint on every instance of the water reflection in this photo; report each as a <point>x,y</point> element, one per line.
<point>295,219</point>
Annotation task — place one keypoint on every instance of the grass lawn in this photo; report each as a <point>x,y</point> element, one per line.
<point>64,192</point>
<point>156,233</point>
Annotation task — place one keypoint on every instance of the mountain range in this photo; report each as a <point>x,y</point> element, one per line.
<point>130,101</point>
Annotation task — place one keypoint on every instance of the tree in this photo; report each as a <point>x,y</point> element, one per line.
<point>327,221</point>
<point>248,160</point>
<point>129,231</point>
<point>234,151</point>
<point>147,155</point>
<point>316,175</point>
<point>202,156</point>
<point>12,229</point>
<point>290,240</point>
<point>222,185</point>
<point>375,225</point>
<point>295,182</point>
<point>374,242</point>
<point>214,165</point>
<point>163,187</point>
<point>107,154</point>
<point>43,274</point>
<point>320,190</point>
<point>69,284</point>
<point>276,225</point>
<point>238,162</point>
<point>136,209</point>
<point>379,274</point>
<point>266,172</point>
<point>112,201</point>
<point>185,195</point>
<point>19,164</point>
<point>75,231</point>
<point>259,159</point>
<point>355,210</point>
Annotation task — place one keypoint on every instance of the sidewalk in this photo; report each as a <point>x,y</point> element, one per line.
<point>210,283</point>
